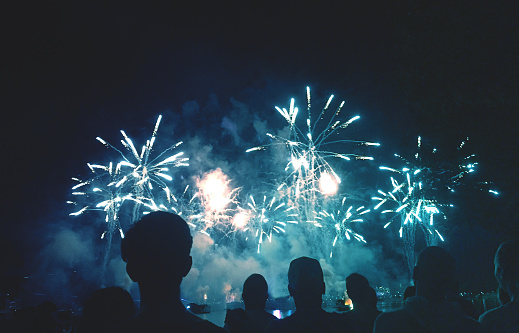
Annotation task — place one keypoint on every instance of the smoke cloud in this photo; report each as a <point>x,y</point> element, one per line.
<point>221,263</point>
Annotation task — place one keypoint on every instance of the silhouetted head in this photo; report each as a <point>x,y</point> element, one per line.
<point>357,287</point>
<point>371,297</point>
<point>255,292</point>
<point>157,249</point>
<point>106,308</point>
<point>306,281</point>
<point>435,273</point>
<point>410,291</point>
<point>506,262</point>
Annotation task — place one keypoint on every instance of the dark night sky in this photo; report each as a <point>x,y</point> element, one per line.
<point>72,71</point>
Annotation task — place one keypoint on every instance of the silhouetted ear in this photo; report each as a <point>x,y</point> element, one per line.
<point>132,272</point>
<point>290,291</point>
<point>187,266</point>
<point>415,273</point>
<point>324,288</point>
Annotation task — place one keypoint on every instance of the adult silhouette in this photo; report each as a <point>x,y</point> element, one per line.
<point>364,299</point>
<point>254,318</point>
<point>505,318</point>
<point>306,286</point>
<point>429,311</point>
<point>156,250</point>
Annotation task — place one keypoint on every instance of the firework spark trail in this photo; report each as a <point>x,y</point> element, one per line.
<point>417,193</point>
<point>311,177</point>
<point>116,183</point>
<point>139,172</point>
<point>261,218</point>
<point>108,198</point>
<point>340,220</point>
<point>187,205</point>
<point>410,207</point>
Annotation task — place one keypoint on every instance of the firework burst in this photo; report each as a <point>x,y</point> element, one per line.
<point>101,190</point>
<point>418,194</point>
<point>131,179</point>
<point>263,218</point>
<point>138,172</point>
<point>340,220</point>
<point>311,177</point>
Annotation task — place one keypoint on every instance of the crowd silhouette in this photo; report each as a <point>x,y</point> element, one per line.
<point>254,318</point>
<point>157,249</point>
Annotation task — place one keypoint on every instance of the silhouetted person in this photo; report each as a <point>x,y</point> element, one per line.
<point>254,318</point>
<point>364,299</point>
<point>156,250</point>
<point>306,286</point>
<point>105,309</point>
<point>429,311</point>
<point>467,306</point>
<point>505,318</point>
<point>410,291</point>
<point>356,286</point>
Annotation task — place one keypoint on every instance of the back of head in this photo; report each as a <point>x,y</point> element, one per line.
<point>506,263</point>
<point>357,287</point>
<point>106,308</point>
<point>434,273</point>
<point>255,292</point>
<point>305,280</point>
<point>157,246</point>
<point>371,297</point>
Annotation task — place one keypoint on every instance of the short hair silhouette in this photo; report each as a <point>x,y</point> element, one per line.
<point>306,282</point>
<point>371,297</point>
<point>435,279</point>
<point>156,250</point>
<point>305,274</point>
<point>435,272</point>
<point>157,246</point>
<point>505,318</point>
<point>255,292</point>
<point>506,263</point>
<point>306,286</point>
<point>357,286</point>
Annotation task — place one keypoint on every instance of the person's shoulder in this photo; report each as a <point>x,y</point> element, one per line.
<point>393,315</point>
<point>143,324</point>
<point>505,316</point>
<point>308,321</point>
<point>470,325</point>
<point>280,325</point>
<point>206,326</point>
<point>270,316</point>
<point>392,321</point>
<point>491,315</point>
